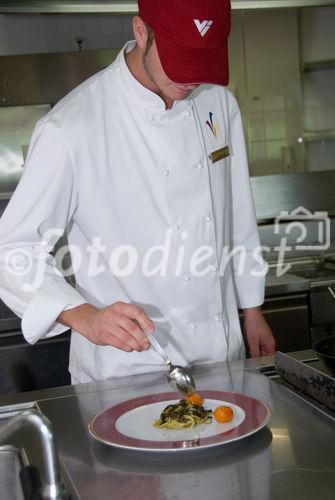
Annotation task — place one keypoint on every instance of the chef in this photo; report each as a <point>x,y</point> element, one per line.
<point>143,167</point>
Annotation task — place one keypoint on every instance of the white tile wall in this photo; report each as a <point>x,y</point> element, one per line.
<point>275,125</point>
<point>264,67</point>
<point>293,122</point>
<point>274,102</point>
<point>257,126</point>
<point>236,57</point>
<point>319,99</point>
<point>317,33</point>
<point>258,152</point>
<point>320,155</point>
<point>318,44</point>
<point>265,44</point>
<point>278,101</point>
<point>255,103</point>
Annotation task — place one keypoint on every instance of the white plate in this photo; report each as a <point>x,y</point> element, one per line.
<point>138,423</point>
<point>129,425</point>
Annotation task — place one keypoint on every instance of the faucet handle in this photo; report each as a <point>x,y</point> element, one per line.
<point>53,488</point>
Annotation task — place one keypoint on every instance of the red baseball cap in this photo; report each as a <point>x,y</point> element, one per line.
<point>191,38</point>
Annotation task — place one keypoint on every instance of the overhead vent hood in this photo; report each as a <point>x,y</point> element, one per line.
<point>130,6</point>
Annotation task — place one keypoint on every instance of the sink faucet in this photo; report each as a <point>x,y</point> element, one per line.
<point>53,488</point>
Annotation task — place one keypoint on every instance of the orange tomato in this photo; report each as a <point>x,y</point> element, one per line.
<point>195,399</point>
<point>223,414</point>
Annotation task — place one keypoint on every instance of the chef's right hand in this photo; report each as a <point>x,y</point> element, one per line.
<point>119,325</point>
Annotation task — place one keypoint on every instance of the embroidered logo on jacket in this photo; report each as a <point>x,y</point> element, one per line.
<point>213,126</point>
<point>203,26</point>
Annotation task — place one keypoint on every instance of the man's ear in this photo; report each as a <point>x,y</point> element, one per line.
<point>140,32</point>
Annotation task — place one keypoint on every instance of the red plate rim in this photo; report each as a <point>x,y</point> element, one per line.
<point>103,426</point>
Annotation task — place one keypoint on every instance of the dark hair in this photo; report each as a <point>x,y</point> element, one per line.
<point>151,37</point>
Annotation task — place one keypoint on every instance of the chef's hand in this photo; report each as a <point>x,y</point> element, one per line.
<point>118,325</point>
<point>257,333</point>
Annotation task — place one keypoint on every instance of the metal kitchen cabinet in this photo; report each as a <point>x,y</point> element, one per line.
<point>288,317</point>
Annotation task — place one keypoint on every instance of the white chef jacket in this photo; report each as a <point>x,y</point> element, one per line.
<point>110,162</point>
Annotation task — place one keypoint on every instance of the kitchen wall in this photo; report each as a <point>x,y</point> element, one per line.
<point>289,114</point>
<point>264,55</point>
<point>27,34</point>
<point>317,35</point>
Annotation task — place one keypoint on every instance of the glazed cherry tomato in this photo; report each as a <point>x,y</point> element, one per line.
<point>223,414</point>
<point>195,399</point>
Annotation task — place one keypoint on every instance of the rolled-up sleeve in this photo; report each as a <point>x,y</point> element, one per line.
<point>250,277</point>
<point>38,213</point>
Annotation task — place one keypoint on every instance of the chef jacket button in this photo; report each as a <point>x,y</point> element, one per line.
<point>214,268</point>
<point>166,172</point>
<point>150,119</point>
<point>200,166</point>
<point>187,114</point>
<point>192,326</point>
<point>208,218</point>
<point>186,278</point>
<point>176,227</point>
<point>217,318</point>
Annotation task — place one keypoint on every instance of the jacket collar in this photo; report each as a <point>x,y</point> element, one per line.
<point>143,96</point>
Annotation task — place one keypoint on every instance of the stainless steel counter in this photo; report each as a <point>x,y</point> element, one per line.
<point>287,284</point>
<point>293,458</point>
<point>302,275</point>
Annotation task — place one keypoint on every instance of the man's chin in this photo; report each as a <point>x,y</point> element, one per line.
<point>180,95</point>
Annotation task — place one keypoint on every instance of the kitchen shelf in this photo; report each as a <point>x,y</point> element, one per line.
<point>319,135</point>
<point>318,66</point>
<point>130,6</point>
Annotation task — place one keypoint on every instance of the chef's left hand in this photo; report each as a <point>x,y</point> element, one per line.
<point>257,333</point>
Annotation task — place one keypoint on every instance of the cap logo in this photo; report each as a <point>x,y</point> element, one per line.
<point>203,26</point>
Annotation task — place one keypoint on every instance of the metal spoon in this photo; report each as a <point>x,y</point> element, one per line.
<point>179,378</point>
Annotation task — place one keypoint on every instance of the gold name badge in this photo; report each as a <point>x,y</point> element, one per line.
<point>219,154</point>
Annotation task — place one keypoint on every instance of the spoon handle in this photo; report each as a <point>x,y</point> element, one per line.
<point>157,347</point>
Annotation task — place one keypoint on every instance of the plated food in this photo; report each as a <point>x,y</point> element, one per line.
<point>223,414</point>
<point>189,412</point>
<point>183,415</point>
<point>128,425</point>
